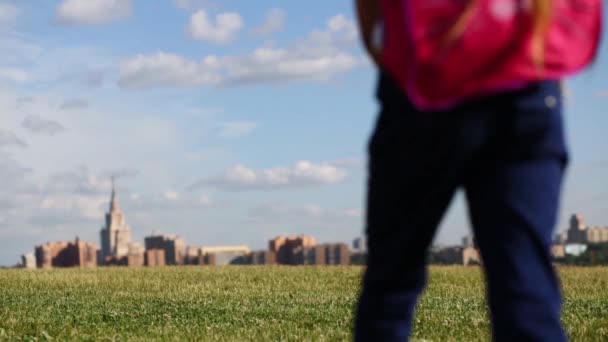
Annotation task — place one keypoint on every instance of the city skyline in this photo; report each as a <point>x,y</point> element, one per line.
<point>226,123</point>
<point>118,249</point>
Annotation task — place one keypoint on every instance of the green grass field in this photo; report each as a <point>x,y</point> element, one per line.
<point>255,303</point>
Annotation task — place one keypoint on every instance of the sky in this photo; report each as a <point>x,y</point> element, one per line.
<point>225,122</point>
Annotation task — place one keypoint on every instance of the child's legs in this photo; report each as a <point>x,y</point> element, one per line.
<point>415,164</point>
<point>398,240</point>
<point>513,195</point>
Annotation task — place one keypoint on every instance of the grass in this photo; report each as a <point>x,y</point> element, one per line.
<point>255,303</point>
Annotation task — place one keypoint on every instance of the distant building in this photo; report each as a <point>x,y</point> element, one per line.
<point>580,233</point>
<point>324,254</point>
<point>136,256</point>
<point>284,247</point>
<point>315,255</point>
<point>560,238</point>
<point>116,234</point>
<point>468,241</point>
<point>226,255</point>
<point>457,255</point>
<point>66,254</point>
<point>28,261</point>
<point>192,256</point>
<point>360,244</point>
<point>154,257</point>
<point>47,255</point>
<point>262,258</point>
<point>558,251</point>
<point>174,247</point>
<point>359,253</point>
<point>471,256</point>
<point>337,254</point>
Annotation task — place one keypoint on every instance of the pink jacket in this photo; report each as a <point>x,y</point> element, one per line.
<point>493,54</point>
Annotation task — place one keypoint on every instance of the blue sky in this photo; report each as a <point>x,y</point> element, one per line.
<point>227,122</point>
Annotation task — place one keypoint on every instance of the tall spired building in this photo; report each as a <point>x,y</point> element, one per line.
<point>116,235</point>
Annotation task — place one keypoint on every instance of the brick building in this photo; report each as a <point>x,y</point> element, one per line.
<point>315,255</point>
<point>325,254</point>
<point>66,254</point>
<point>262,258</point>
<point>174,247</point>
<point>154,257</point>
<point>337,254</point>
<point>136,256</point>
<point>284,247</point>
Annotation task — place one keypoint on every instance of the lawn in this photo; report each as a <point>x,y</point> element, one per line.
<point>255,303</point>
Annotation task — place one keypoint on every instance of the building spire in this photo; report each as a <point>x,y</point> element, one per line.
<point>113,200</point>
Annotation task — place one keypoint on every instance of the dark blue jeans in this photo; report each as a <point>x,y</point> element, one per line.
<point>508,154</point>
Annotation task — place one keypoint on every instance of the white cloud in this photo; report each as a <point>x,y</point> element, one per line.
<point>164,69</point>
<point>275,21</point>
<point>37,124</point>
<point>80,181</point>
<point>288,212</point>
<point>319,57</point>
<point>14,75</point>
<point>61,199</point>
<point>8,138</point>
<point>343,27</point>
<point>84,207</point>
<point>92,12</point>
<point>8,13</point>
<point>222,31</point>
<point>237,129</point>
<point>171,195</point>
<point>169,200</point>
<point>302,174</point>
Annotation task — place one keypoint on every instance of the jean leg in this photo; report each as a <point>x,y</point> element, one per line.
<point>413,172</point>
<point>513,197</point>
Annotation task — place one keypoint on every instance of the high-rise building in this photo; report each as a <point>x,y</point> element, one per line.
<point>136,255</point>
<point>116,234</point>
<point>315,255</point>
<point>154,257</point>
<point>284,247</point>
<point>262,258</point>
<point>174,247</point>
<point>337,254</point>
<point>581,233</point>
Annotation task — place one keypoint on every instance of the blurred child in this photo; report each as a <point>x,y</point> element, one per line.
<point>470,99</point>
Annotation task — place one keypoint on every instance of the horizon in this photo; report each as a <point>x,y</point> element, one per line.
<point>225,123</point>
